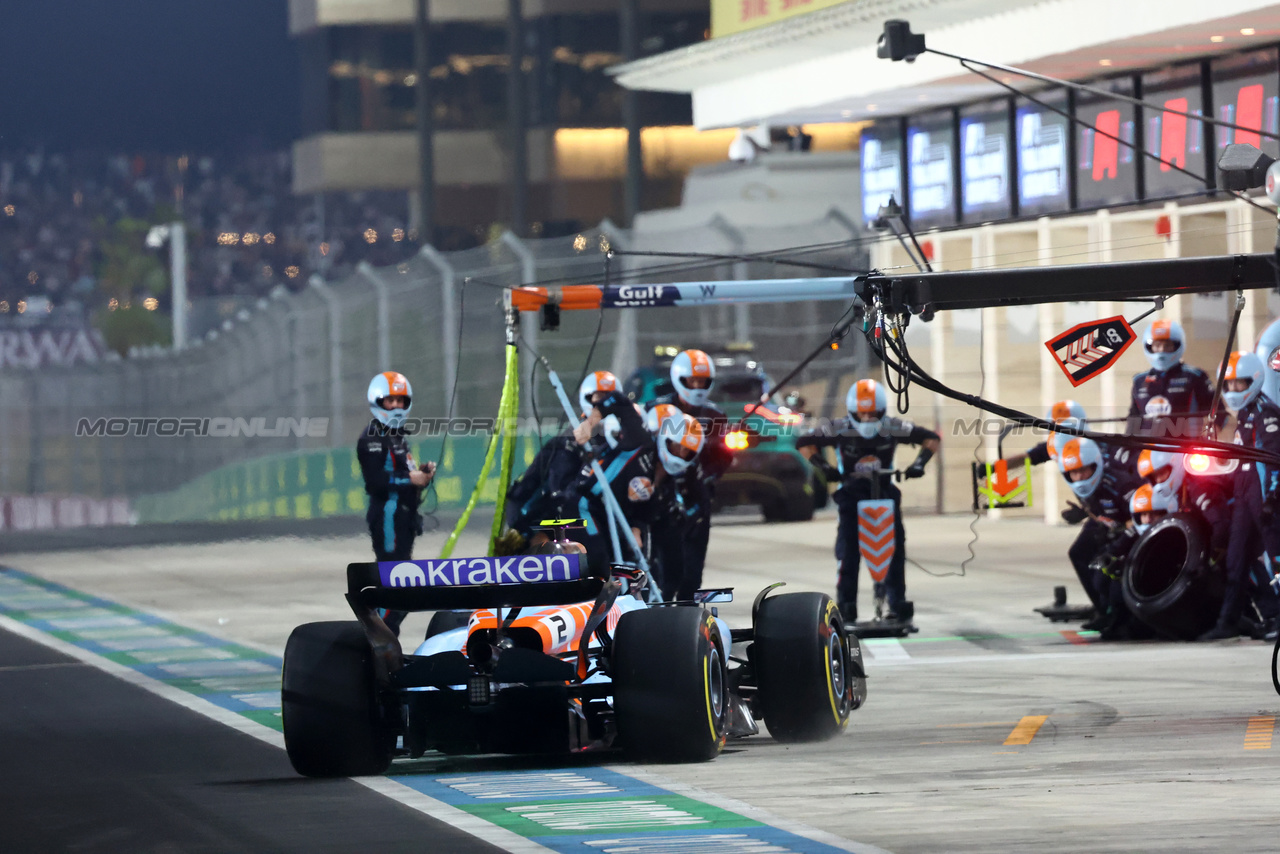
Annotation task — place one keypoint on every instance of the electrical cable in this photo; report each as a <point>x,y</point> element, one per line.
<point>533,399</point>
<point>904,400</point>
<point>762,256</point>
<point>591,352</point>
<point>712,260</point>
<point>1222,366</point>
<point>927,571</point>
<point>977,514</point>
<point>453,396</point>
<point>1093,90</point>
<point>838,330</point>
<point>533,372</point>
<point>1175,445</point>
<point>1134,242</point>
<point>1082,123</point>
<point>924,261</point>
<point>1275,658</point>
<point>902,241</point>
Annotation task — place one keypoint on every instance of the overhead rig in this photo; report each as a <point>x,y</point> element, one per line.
<point>884,302</point>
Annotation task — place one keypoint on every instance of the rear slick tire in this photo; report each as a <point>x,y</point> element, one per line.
<point>332,723</point>
<point>670,684</point>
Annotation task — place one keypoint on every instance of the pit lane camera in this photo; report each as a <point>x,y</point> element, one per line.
<point>897,42</point>
<point>1243,167</point>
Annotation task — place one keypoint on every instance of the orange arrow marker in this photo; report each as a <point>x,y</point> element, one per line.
<point>1000,483</point>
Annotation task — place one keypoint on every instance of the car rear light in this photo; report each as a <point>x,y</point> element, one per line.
<point>1207,466</point>
<point>738,440</point>
<point>478,691</point>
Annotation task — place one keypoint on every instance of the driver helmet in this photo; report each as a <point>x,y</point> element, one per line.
<point>1164,330</point>
<point>390,384</point>
<point>1242,365</point>
<point>1155,464</point>
<point>1079,454</point>
<point>867,397</point>
<point>1066,412</point>
<point>679,437</point>
<point>1155,505</point>
<point>687,365</point>
<point>592,383</point>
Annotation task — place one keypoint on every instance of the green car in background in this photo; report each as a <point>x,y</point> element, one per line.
<point>767,469</point>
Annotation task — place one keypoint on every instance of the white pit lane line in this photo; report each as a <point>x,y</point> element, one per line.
<point>460,819</point>
<point>746,810</point>
<point>464,821</point>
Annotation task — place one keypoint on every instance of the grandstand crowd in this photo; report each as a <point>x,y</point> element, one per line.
<point>246,231</point>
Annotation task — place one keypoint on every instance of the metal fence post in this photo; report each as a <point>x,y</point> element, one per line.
<point>384,313</point>
<point>741,313</point>
<point>448,321</point>
<point>178,279</point>
<point>335,356</point>
<point>625,355</point>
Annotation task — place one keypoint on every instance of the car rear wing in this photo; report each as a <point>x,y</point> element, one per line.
<point>472,583</point>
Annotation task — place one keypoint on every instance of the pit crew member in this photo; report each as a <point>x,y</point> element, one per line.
<point>1209,497</point>
<point>1172,392</point>
<point>629,470</point>
<point>864,444</point>
<point>1063,412</point>
<point>679,502</point>
<point>693,376</point>
<point>1255,523</point>
<point>1147,506</point>
<point>1103,486</point>
<point>558,462</point>
<point>392,479</point>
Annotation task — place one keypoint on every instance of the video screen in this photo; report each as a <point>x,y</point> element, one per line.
<point>1043,170</point>
<point>1176,139</point>
<point>1246,92</point>
<point>882,168</point>
<point>931,168</point>
<point>986,148</point>
<point>1106,162</point>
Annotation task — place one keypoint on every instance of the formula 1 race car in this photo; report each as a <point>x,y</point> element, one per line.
<point>551,659</point>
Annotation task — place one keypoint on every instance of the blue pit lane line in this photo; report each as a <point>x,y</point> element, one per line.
<point>580,809</point>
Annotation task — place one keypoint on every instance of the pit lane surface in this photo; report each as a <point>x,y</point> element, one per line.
<point>992,730</point>
<point>93,764</point>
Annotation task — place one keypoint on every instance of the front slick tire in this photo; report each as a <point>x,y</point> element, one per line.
<point>670,684</point>
<point>332,725</point>
<point>808,681</point>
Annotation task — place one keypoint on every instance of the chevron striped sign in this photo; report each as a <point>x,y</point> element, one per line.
<point>1088,349</point>
<point>875,535</point>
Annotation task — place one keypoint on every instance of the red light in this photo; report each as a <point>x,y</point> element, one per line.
<point>1106,156</point>
<point>1198,463</point>
<point>736,441</point>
